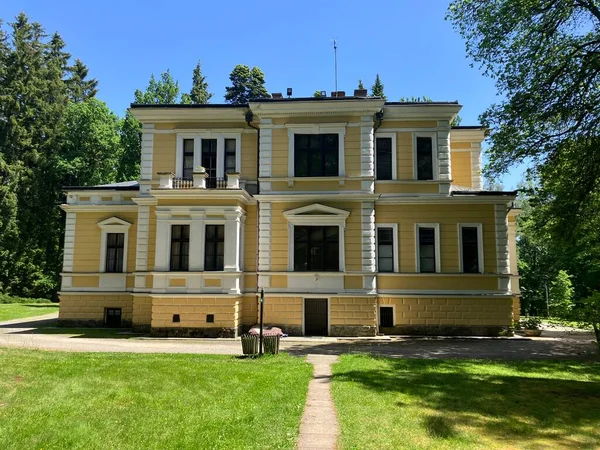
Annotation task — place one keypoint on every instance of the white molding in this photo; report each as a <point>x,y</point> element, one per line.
<point>107,207</point>
<point>69,243</point>
<point>444,161</point>
<point>220,135</point>
<point>502,248</point>
<point>434,153</point>
<point>339,196</point>
<point>367,161</point>
<point>479,227</point>
<point>476,181</point>
<point>393,137</point>
<point>339,129</point>
<point>291,214</point>
<point>438,260</point>
<point>399,199</point>
<point>368,244</point>
<point>112,282</point>
<point>449,293</point>
<point>113,225</point>
<point>264,236</point>
<point>395,244</point>
<point>147,151</point>
<point>379,306</point>
<point>143,228</point>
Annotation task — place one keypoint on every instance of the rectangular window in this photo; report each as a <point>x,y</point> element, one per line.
<point>386,316</point>
<point>115,246</point>
<point>180,247</point>
<point>230,147</point>
<point>316,155</point>
<point>470,249</point>
<point>427,262</point>
<point>384,158</point>
<point>385,249</point>
<point>316,248</point>
<point>214,248</point>
<point>188,159</point>
<point>424,158</point>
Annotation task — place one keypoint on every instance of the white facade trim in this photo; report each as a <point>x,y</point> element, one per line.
<point>147,150</point>
<point>339,129</point>
<point>143,228</point>
<point>69,244</point>
<point>438,260</point>
<point>264,236</point>
<point>479,227</point>
<point>395,244</point>
<point>393,137</point>
<point>209,134</point>
<point>113,225</point>
<point>476,181</point>
<point>502,249</point>
<point>367,161</point>
<point>444,162</point>
<point>367,224</point>
<point>434,153</point>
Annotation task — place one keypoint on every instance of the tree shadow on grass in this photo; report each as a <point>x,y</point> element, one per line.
<point>537,411</point>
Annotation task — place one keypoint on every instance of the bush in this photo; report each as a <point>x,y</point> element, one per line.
<point>5,299</point>
<point>531,323</point>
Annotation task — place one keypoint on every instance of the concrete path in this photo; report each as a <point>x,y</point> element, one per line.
<point>319,428</point>
<point>554,344</point>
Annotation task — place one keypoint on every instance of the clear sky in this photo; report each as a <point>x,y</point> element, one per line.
<point>408,42</point>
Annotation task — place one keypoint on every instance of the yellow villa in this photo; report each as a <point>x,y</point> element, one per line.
<point>356,216</point>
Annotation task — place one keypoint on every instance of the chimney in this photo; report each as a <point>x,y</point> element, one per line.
<point>338,94</point>
<point>277,95</point>
<point>360,92</point>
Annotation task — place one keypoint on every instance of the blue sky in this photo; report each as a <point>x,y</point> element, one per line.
<point>414,50</point>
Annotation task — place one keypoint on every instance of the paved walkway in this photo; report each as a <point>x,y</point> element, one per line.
<point>554,344</point>
<point>319,428</point>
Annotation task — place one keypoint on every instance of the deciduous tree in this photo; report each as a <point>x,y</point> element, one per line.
<point>246,84</point>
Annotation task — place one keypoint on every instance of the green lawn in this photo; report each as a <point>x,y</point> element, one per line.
<point>18,310</point>
<point>57,400</point>
<point>386,403</point>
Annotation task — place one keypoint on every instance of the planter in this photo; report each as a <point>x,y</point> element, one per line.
<point>532,332</point>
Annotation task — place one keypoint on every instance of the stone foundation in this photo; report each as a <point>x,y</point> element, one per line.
<point>88,323</point>
<point>141,328</point>
<point>448,330</point>
<point>212,332</point>
<point>352,330</point>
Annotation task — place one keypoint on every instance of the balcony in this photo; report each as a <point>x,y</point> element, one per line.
<point>200,180</point>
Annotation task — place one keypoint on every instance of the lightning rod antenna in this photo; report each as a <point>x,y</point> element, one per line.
<point>335,59</point>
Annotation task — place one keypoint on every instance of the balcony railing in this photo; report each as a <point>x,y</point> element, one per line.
<point>200,181</point>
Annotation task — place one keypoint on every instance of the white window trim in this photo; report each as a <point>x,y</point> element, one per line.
<point>339,129</point>
<point>394,154</point>
<point>394,227</point>
<point>172,222</point>
<point>379,314</point>
<point>197,137</point>
<point>438,261</point>
<point>479,227</point>
<point>335,217</point>
<point>113,225</point>
<point>213,222</point>
<point>434,151</point>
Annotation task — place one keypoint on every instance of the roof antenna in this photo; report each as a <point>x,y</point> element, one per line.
<point>335,58</point>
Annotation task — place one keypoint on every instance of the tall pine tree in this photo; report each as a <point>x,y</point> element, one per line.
<point>377,88</point>
<point>199,94</point>
<point>80,88</point>
<point>246,84</point>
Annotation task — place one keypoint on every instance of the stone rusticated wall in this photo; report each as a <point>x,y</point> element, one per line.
<point>88,309</point>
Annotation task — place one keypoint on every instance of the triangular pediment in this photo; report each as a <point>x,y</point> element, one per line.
<point>114,222</point>
<point>316,209</point>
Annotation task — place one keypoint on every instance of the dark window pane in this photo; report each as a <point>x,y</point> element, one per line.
<point>188,158</point>
<point>230,155</point>
<point>424,159</point>
<point>214,247</point>
<point>470,250</point>
<point>427,249</point>
<point>209,157</point>
<point>384,158</point>
<point>115,245</point>
<point>316,155</point>
<point>316,248</point>
<point>386,316</point>
<point>385,249</point>
<point>180,247</point>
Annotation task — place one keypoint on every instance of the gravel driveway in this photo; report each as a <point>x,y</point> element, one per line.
<point>557,343</point>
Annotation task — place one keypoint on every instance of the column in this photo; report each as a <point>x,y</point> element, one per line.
<point>233,235</point>
<point>161,256</point>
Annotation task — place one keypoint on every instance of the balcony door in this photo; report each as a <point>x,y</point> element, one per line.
<point>209,161</point>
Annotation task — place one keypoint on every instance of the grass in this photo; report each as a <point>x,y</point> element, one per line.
<point>60,400</point>
<point>19,310</point>
<point>386,403</point>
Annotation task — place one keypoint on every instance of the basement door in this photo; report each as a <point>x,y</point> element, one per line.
<point>315,317</point>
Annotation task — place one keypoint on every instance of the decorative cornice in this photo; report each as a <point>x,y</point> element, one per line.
<point>312,108</point>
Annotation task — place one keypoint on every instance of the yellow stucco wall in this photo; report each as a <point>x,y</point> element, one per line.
<point>165,152</point>
<point>142,310</point>
<point>249,158</point>
<point>91,306</point>
<point>193,310</point>
<point>353,310</point>
<point>448,216</point>
<point>86,257</point>
<point>285,311</point>
<point>451,311</point>
<point>399,187</point>
<point>461,168</point>
<point>438,282</point>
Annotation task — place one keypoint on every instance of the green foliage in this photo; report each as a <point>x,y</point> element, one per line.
<point>199,93</point>
<point>317,94</point>
<point>561,295</point>
<point>360,85</point>
<point>162,92</point>
<point>377,88</point>
<point>413,99</point>
<point>8,299</point>
<point>531,323</point>
<point>246,84</point>
<point>590,313</point>
<point>130,130</point>
<point>81,89</point>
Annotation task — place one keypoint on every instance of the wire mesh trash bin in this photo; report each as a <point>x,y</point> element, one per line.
<point>249,344</point>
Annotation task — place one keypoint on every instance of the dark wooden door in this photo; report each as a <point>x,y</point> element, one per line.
<point>315,317</point>
<point>113,317</point>
<point>209,161</point>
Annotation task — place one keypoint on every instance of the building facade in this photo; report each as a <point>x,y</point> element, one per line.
<point>355,216</point>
